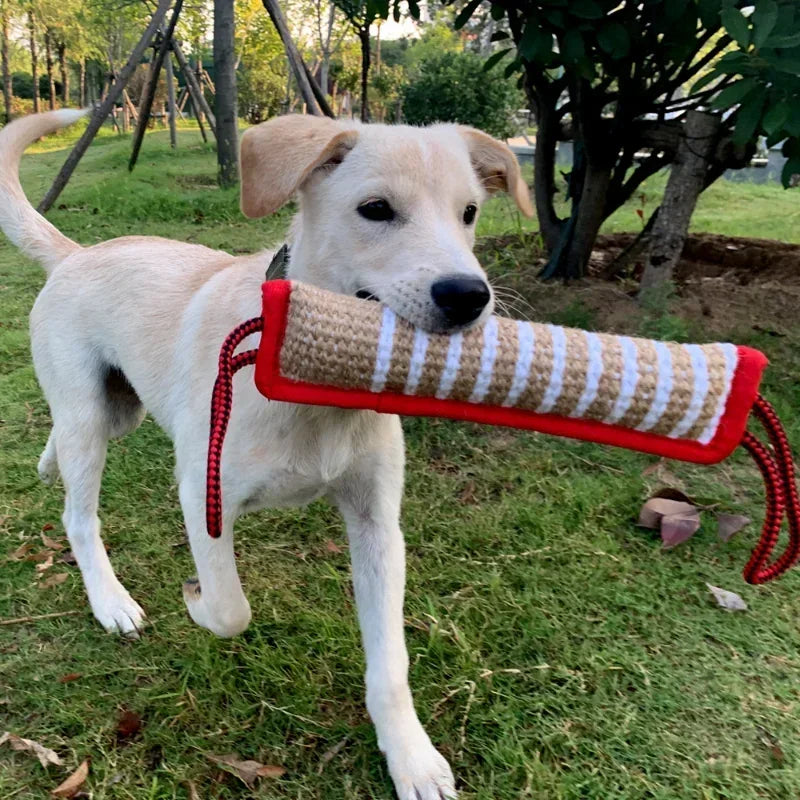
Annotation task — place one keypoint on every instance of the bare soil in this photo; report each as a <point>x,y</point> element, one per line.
<point>726,287</point>
<point>709,255</point>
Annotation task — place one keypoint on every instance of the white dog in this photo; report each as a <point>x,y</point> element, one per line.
<point>136,323</point>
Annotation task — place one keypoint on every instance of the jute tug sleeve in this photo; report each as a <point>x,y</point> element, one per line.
<point>684,401</point>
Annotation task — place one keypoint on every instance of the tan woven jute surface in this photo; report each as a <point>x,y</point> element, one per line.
<point>666,388</point>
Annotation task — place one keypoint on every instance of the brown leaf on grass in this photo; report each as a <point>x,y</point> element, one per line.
<point>71,786</point>
<point>52,544</point>
<point>467,496</point>
<point>246,771</point>
<point>332,547</point>
<point>46,564</point>
<point>20,553</point>
<point>39,556</point>
<point>68,557</point>
<point>730,601</point>
<point>54,580</point>
<point>69,677</point>
<point>48,526</point>
<point>129,724</point>
<point>331,753</point>
<point>730,524</point>
<point>772,743</point>
<point>192,790</point>
<point>677,528</point>
<point>45,755</point>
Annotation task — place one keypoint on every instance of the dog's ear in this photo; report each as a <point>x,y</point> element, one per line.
<point>497,167</point>
<point>277,156</point>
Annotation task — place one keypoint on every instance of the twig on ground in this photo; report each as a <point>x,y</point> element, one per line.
<point>493,562</point>
<point>37,617</point>
<point>330,754</point>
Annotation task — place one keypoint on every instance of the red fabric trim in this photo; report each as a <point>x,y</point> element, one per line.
<point>272,384</point>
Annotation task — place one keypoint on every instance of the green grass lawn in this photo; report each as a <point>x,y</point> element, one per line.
<point>556,650</point>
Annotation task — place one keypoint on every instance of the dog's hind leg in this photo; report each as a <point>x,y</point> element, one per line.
<point>214,599</point>
<point>81,447</point>
<point>48,462</point>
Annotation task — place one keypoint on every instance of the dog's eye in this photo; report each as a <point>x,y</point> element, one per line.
<point>377,211</point>
<point>469,213</point>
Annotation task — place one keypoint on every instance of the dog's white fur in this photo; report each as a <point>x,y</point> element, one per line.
<point>136,323</point>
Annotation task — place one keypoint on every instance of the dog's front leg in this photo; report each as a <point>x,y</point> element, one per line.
<point>214,599</point>
<point>369,499</point>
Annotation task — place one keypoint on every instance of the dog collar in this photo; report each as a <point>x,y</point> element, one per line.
<point>276,270</point>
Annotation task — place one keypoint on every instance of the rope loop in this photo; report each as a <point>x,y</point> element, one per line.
<point>221,403</point>
<point>777,469</point>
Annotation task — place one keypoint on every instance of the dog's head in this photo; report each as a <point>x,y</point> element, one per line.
<point>386,212</point>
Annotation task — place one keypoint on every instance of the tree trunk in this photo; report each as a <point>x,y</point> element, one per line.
<point>590,217</point>
<point>146,103</point>
<point>301,75</point>
<point>82,82</point>
<point>51,82</point>
<point>194,87</point>
<point>363,35</point>
<point>225,106</point>
<point>544,164</point>
<point>64,70</point>
<point>687,179</point>
<point>7,87</point>
<point>101,113</point>
<point>171,109</point>
<point>34,59</point>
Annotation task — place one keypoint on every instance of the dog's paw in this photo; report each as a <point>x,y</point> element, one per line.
<point>48,470</point>
<point>224,618</point>
<point>118,612</point>
<point>421,773</point>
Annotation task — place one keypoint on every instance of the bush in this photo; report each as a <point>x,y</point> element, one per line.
<point>453,87</point>
<point>262,92</point>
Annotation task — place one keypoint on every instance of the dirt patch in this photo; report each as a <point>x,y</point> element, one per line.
<point>727,288</point>
<point>710,255</point>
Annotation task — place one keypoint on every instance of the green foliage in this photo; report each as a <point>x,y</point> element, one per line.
<point>453,87</point>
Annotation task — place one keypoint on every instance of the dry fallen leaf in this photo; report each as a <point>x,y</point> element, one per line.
<point>677,528</point>
<point>48,526</point>
<point>70,787</point>
<point>656,508</point>
<point>772,743</point>
<point>730,601</point>
<point>332,547</point>
<point>247,771</point>
<point>69,677</point>
<point>54,580</point>
<point>128,724</point>
<point>20,553</point>
<point>46,564</point>
<point>730,524</point>
<point>467,496</point>
<point>52,544</point>
<point>45,755</point>
<point>676,518</point>
<point>192,790</point>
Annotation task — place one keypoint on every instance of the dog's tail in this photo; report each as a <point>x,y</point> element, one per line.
<point>19,220</point>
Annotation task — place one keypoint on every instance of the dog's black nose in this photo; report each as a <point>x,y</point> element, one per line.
<point>460,298</point>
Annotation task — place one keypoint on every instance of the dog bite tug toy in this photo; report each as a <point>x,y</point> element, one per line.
<point>683,401</point>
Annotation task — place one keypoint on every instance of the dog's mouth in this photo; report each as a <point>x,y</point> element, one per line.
<point>363,294</point>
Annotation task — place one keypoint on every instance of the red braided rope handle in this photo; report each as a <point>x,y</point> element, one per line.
<point>221,402</point>
<point>777,469</point>
<point>776,465</point>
